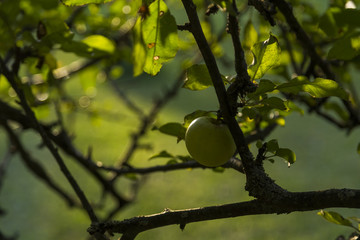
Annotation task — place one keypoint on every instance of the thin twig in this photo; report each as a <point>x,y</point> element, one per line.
<point>64,142</point>
<point>130,104</point>
<point>242,83</point>
<point>4,165</point>
<point>31,116</point>
<point>148,120</point>
<point>169,167</point>
<point>309,46</point>
<point>34,166</point>
<point>290,50</point>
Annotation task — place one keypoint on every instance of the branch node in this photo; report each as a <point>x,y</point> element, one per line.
<point>185,27</point>
<point>212,9</point>
<point>265,8</point>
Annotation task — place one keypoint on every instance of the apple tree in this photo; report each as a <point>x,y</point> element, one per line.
<point>266,60</point>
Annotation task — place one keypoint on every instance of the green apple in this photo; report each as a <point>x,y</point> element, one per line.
<point>209,141</point>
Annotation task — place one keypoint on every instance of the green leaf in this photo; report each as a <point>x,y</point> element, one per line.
<point>172,161</point>
<point>336,21</point>
<point>274,102</point>
<point>99,43</point>
<point>139,51</point>
<point>267,55</point>
<point>319,88</point>
<point>82,2</point>
<point>347,18</point>
<point>265,86</point>
<point>337,109</point>
<point>197,78</point>
<point>162,154</point>
<point>173,129</point>
<point>219,169</point>
<point>259,144</point>
<point>56,31</point>
<point>286,154</point>
<point>346,48</point>
<point>335,217</point>
<point>159,32</point>
<point>198,113</point>
<point>272,146</point>
<point>250,35</point>
<point>131,176</point>
<point>327,22</point>
<point>250,112</point>
<point>185,158</point>
<point>358,148</point>
<point>93,46</point>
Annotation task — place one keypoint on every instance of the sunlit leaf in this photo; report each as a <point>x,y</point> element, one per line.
<point>198,113</point>
<point>173,129</point>
<point>159,33</point>
<point>250,35</point>
<point>286,154</point>
<point>319,88</point>
<point>93,46</point>
<point>267,55</point>
<point>293,107</point>
<point>100,43</point>
<point>139,51</point>
<point>197,78</point>
<point>82,2</point>
<point>335,217</point>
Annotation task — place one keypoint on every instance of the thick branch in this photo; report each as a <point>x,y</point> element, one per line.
<point>301,201</point>
<point>215,75</point>
<point>258,183</point>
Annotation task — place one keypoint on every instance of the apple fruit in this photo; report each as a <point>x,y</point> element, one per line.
<point>209,141</point>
